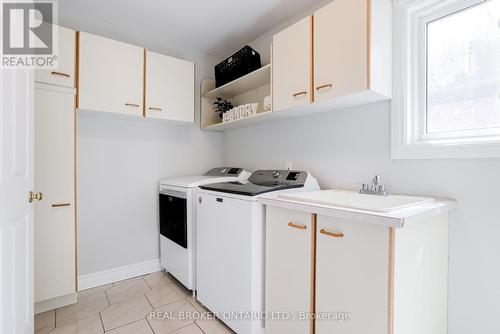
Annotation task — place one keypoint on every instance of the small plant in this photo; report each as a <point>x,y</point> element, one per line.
<point>222,105</point>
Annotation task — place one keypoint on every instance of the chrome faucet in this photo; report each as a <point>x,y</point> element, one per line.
<point>376,188</point>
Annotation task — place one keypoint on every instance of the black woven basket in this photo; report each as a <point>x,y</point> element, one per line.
<point>244,61</point>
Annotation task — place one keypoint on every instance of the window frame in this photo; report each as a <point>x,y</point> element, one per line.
<point>409,139</point>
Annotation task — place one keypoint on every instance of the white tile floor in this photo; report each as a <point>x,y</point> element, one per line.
<point>124,308</point>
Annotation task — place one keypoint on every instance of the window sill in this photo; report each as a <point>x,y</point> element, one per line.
<point>445,151</point>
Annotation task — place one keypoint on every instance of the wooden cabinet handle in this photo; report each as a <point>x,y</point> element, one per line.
<point>300,227</point>
<point>324,86</point>
<point>155,109</point>
<point>132,105</point>
<point>61,74</point>
<point>59,205</point>
<point>299,93</point>
<point>332,234</point>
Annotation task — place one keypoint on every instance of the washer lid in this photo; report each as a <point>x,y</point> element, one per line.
<point>248,188</point>
<point>262,181</point>
<point>220,174</point>
<point>196,180</point>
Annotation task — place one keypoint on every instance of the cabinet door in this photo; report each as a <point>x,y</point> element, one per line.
<point>288,268</point>
<point>54,177</point>
<point>341,49</point>
<point>64,74</point>
<point>169,88</point>
<point>292,66</point>
<point>111,75</point>
<point>352,276</point>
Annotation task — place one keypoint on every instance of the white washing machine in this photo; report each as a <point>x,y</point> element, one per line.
<point>230,243</point>
<point>177,218</point>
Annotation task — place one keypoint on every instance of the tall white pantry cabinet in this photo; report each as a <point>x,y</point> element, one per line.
<point>99,76</point>
<point>55,213</point>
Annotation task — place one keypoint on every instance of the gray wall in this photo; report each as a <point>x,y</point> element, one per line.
<point>120,163</point>
<point>346,147</point>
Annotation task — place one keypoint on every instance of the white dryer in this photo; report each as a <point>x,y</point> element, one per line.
<point>230,245</point>
<point>177,218</point>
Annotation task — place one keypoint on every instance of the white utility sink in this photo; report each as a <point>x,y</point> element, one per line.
<point>356,200</point>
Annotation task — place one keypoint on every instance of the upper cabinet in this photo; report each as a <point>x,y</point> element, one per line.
<point>339,57</point>
<point>352,52</point>
<point>291,60</point>
<point>169,88</point>
<point>111,75</point>
<point>64,74</point>
<point>125,79</point>
<point>341,49</point>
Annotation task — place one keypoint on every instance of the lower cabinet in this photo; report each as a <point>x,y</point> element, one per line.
<point>54,226</point>
<point>329,275</point>
<point>289,254</point>
<point>352,261</point>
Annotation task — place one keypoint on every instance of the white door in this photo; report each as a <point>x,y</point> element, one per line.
<point>16,213</point>
<point>292,66</point>
<point>289,256</point>
<point>169,88</point>
<point>341,49</point>
<point>111,75</point>
<point>352,260</point>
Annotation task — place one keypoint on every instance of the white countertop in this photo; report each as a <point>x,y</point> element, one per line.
<point>390,219</point>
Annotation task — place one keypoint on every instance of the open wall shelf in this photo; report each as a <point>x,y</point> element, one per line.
<point>255,79</point>
<point>250,88</point>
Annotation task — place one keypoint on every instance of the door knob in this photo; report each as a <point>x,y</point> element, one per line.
<point>34,196</point>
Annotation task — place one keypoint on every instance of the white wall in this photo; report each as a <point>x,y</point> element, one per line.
<point>120,163</point>
<point>346,147</point>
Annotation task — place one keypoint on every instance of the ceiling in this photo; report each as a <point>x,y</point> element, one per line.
<point>218,27</point>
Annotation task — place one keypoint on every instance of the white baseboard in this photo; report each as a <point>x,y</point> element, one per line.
<point>54,303</point>
<point>117,274</point>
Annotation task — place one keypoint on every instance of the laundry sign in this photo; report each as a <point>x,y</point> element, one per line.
<point>239,112</point>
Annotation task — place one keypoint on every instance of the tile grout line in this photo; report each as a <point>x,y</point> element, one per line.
<point>149,302</point>
<point>84,318</point>
<point>129,298</point>
<point>131,321</point>
<point>107,307</point>
<point>146,318</point>
<point>175,330</point>
<point>102,323</point>
<point>128,323</point>
<point>152,330</point>
<point>201,329</point>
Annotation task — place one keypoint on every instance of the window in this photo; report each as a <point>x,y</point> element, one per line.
<point>447,79</point>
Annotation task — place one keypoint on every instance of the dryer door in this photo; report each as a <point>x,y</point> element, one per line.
<point>173,216</point>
